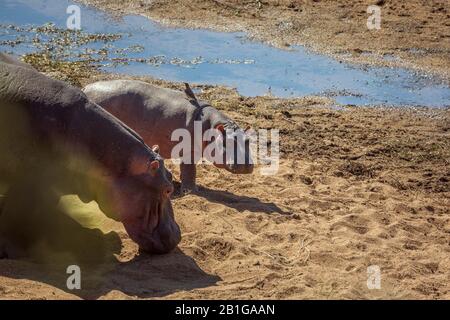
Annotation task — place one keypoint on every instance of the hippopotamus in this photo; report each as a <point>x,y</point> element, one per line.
<point>54,141</point>
<point>155,113</point>
<point>6,58</point>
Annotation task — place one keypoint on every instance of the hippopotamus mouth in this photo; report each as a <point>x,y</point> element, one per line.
<point>239,168</point>
<point>246,167</point>
<point>238,160</point>
<point>158,232</point>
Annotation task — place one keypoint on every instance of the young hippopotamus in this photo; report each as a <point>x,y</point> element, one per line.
<point>54,141</point>
<point>156,112</point>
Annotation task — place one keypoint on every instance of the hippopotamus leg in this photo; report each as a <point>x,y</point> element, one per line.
<point>6,250</point>
<point>25,204</point>
<point>188,173</point>
<point>2,201</point>
<point>9,251</point>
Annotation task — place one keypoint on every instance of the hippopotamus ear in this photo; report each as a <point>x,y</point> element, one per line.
<point>155,149</point>
<point>154,166</point>
<point>220,127</point>
<point>189,92</point>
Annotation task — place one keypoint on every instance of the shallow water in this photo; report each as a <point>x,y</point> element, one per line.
<point>208,57</point>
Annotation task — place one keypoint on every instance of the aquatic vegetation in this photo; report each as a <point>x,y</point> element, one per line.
<point>58,43</point>
<point>81,47</point>
<point>70,71</point>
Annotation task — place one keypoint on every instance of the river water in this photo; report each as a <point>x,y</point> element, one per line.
<point>143,47</point>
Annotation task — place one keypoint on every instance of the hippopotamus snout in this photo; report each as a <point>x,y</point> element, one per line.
<point>166,191</point>
<point>238,165</point>
<point>164,238</point>
<point>143,205</point>
<point>240,168</point>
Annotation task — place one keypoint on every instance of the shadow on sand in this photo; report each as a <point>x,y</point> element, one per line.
<point>238,202</point>
<point>58,241</point>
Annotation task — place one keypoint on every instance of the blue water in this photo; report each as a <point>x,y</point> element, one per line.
<point>208,57</point>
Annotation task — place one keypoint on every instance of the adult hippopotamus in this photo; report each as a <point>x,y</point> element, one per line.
<point>6,58</point>
<point>156,112</point>
<point>54,141</point>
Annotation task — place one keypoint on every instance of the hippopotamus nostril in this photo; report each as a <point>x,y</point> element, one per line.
<point>167,191</point>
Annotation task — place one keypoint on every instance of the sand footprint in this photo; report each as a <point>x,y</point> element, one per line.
<point>352,222</point>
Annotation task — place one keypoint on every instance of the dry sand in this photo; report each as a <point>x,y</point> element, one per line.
<point>356,187</point>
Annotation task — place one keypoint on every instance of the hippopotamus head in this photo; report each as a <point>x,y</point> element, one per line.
<point>140,199</point>
<point>236,157</point>
<point>232,142</point>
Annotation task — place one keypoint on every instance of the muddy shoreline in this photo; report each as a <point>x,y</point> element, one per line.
<point>413,35</point>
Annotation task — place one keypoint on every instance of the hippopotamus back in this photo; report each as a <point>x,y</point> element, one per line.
<point>159,110</point>
<point>6,58</point>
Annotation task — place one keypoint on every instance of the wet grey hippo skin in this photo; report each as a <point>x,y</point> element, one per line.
<point>54,141</point>
<point>156,112</point>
